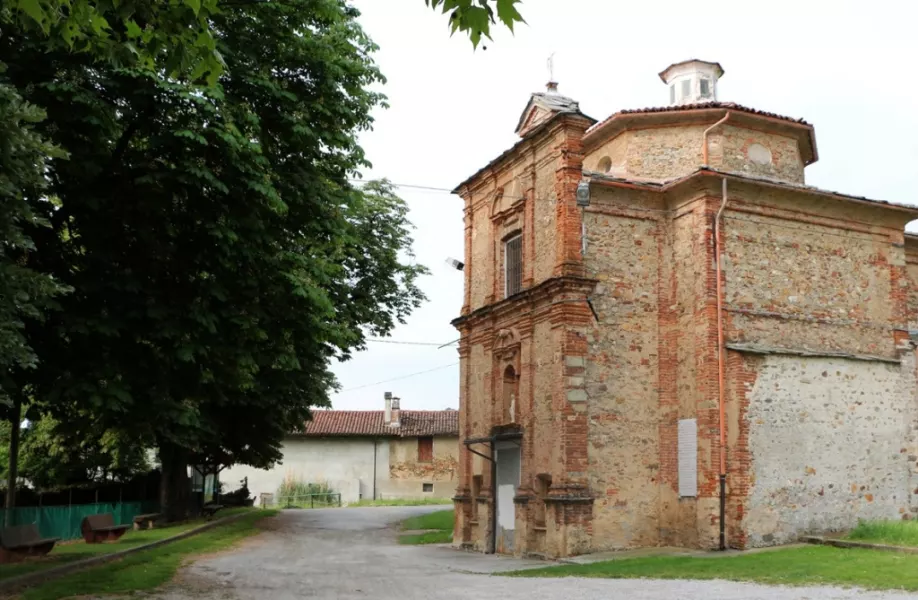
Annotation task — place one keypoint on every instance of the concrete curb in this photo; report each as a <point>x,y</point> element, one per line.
<point>822,541</point>
<point>16,583</point>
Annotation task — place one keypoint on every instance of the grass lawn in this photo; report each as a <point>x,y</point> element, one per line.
<point>440,522</point>
<point>894,533</point>
<point>810,565</point>
<point>71,550</point>
<point>148,569</point>
<point>403,502</point>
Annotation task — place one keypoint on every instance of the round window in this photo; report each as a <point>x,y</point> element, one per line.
<point>605,164</point>
<point>759,154</point>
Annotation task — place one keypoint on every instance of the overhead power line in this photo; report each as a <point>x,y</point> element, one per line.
<point>382,341</point>
<point>360,387</point>
<point>407,343</point>
<point>408,185</point>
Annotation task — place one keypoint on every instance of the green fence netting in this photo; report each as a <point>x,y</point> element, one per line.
<point>64,521</point>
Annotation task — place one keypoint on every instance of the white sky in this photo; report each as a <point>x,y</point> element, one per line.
<point>847,67</point>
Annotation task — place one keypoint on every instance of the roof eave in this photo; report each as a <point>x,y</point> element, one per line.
<point>529,136</point>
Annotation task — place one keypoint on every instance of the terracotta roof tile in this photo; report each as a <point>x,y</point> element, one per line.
<point>698,106</point>
<point>412,423</point>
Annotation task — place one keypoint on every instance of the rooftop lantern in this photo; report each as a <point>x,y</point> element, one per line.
<point>692,81</point>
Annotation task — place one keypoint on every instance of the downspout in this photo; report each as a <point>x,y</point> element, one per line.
<point>721,359</point>
<point>375,442</point>
<point>704,139</point>
<point>493,497</point>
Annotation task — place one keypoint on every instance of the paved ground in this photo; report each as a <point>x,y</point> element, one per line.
<point>349,554</point>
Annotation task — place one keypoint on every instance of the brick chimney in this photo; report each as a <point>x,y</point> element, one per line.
<point>395,413</point>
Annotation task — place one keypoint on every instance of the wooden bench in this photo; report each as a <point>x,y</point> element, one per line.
<point>210,509</point>
<point>21,541</point>
<point>146,521</point>
<point>101,528</point>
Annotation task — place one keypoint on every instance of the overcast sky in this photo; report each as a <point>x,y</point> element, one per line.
<point>846,67</point>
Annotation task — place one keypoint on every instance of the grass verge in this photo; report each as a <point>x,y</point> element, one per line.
<point>148,569</point>
<point>812,565</point>
<point>894,533</point>
<point>402,502</point>
<point>440,523</point>
<point>72,550</point>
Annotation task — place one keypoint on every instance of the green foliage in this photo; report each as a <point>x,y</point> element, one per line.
<point>431,537</point>
<point>293,486</point>
<point>402,502</point>
<point>25,293</point>
<point>896,533</point>
<point>475,17</point>
<point>52,457</point>
<point>441,519</point>
<point>811,565</point>
<point>148,569</point>
<point>294,492</point>
<point>441,522</point>
<point>151,34</point>
<point>221,258</point>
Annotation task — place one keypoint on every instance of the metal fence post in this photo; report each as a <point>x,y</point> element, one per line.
<point>312,501</point>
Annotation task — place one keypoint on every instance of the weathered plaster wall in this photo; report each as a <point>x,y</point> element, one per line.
<point>624,254</point>
<point>346,464</point>
<point>830,444</point>
<point>404,464</point>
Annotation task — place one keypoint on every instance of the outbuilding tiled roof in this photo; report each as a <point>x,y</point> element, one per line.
<point>361,423</point>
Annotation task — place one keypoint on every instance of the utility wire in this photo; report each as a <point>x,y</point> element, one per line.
<point>408,185</point>
<point>382,341</point>
<point>360,387</point>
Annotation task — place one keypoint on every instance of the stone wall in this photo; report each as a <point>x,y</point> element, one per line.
<point>830,444</point>
<point>666,153</point>
<point>624,255</point>
<point>756,153</point>
<point>808,285</point>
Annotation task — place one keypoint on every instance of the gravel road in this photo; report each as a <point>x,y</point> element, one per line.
<point>349,554</point>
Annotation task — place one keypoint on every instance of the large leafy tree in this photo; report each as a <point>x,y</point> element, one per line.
<point>219,256</point>
<point>53,456</point>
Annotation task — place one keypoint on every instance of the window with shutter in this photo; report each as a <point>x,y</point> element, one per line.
<point>425,449</point>
<point>513,266</point>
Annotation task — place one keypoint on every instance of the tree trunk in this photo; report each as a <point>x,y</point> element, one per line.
<point>15,421</point>
<point>174,487</point>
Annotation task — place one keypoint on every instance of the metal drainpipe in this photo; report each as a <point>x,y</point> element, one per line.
<point>493,498</point>
<point>704,139</point>
<point>721,360</point>
<point>375,442</point>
